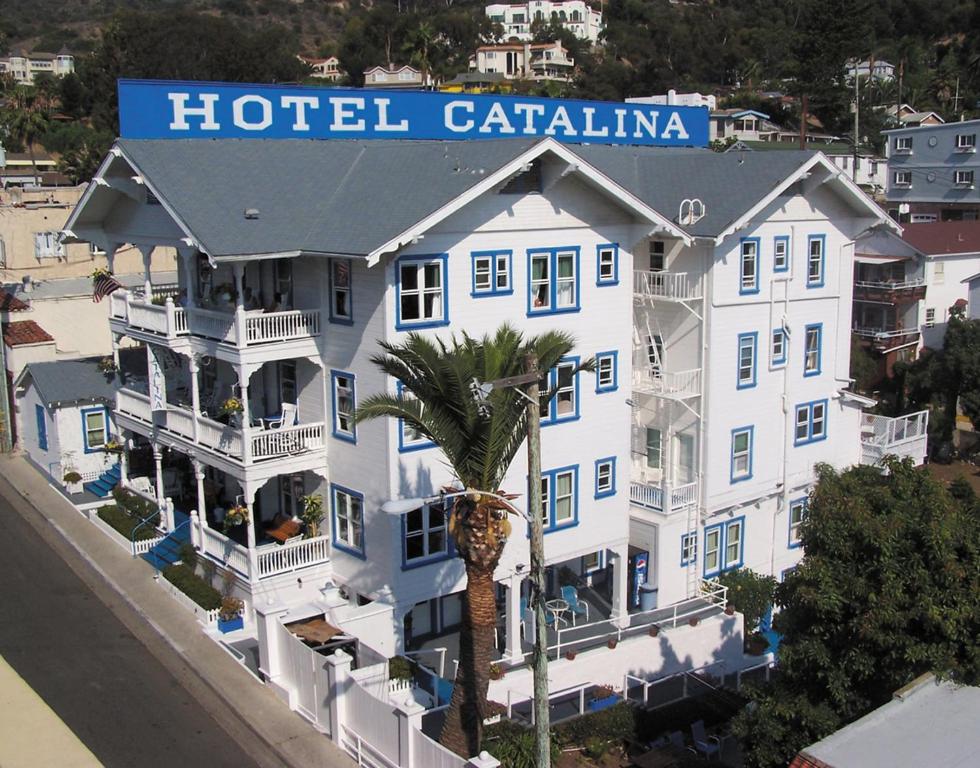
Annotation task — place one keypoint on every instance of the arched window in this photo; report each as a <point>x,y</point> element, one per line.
<point>576,16</point>
<point>562,16</point>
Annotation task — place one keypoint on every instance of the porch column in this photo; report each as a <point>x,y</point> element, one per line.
<point>201,501</point>
<point>192,367</point>
<point>243,377</point>
<point>513,651</point>
<point>146,251</point>
<point>238,270</point>
<point>124,459</point>
<point>620,610</point>
<point>115,351</point>
<point>190,275</point>
<point>248,498</point>
<point>158,464</point>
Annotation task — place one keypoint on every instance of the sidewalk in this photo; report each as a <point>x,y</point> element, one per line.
<point>252,706</point>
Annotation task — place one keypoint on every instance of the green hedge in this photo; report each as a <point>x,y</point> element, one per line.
<point>126,523</point>
<point>197,589</point>
<point>137,506</point>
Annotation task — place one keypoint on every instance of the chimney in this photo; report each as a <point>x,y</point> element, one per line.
<point>26,284</point>
<point>671,96</point>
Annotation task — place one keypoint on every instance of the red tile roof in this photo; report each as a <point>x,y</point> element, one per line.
<point>939,237</point>
<point>24,332</point>
<point>10,303</point>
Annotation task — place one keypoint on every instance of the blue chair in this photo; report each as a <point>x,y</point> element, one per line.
<point>578,607</point>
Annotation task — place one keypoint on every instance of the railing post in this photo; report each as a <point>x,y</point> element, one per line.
<point>196,538</point>
<point>171,321</point>
<point>241,339</point>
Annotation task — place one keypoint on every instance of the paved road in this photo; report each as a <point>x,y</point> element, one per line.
<point>103,682</point>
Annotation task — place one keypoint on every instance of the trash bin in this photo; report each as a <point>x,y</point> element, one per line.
<point>648,597</point>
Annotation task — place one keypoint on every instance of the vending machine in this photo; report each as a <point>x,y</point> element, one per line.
<point>638,567</point>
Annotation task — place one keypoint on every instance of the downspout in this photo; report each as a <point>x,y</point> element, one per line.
<point>784,443</point>
<point>707,284</point>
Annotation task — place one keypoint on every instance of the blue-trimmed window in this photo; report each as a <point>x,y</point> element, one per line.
<point>409,438</point>
<point>741,459</point>
<point>594,561</point>
<point>559,498</point>
<point>95,429</point>
<point>564,406</point>
<point>778,347</point>
<point>492,273</point>
<point>42,427</point>
<point>552,280</point>
<point>724,546</point>
<point>424,536</point>
<point>797,514</point>
<point>780,253</point>
<point>606,371</point>
<point>815,260</point>
<point>421,297</point>
<point>689,548</point>
<point>341,308</point>
<point>605,477</point>
<point>607,264</point>
<point>811,422</point>
<point>347,513</point>
<point>748,280</point>
<point>747,347</point>
<point>344,402</point>
<point>812,341</point>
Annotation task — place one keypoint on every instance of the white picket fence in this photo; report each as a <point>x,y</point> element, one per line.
<point>204,616</point>
<point>304,673</point>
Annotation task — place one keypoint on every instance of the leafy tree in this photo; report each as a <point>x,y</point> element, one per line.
<point>864,368</point>
<point>479,444</point>
<point>750,593</point>
<point>886,591</point>
<point>26,118</point>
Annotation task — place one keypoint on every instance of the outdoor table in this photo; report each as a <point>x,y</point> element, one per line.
<point>558,608</point>
<point>284,531</point>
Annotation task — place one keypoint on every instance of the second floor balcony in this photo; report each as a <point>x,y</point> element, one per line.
<point>664,497</point>
<point>666,286</point>
<point>886,339</point>
<point>890,291</point>
<point>904,437</point>
<point>677,385</point>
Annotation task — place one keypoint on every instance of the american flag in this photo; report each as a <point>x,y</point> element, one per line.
<point>102,286</point>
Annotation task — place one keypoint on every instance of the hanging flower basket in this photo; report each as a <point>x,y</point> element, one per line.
<point>231,406</point>
<point>107,365</point>
<point>237,515</point>
<point>113,446</point>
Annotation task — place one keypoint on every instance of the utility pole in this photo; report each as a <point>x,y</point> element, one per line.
<point>857,109</point>
<point>803,116</point>
<point>542,724</point>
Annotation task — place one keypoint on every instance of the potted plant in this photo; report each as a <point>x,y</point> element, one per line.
<point>72,481</point>
<point>113,446</point>
<point>236,515</point>
<point>570,655</point>
<point>694,621</point>
<point>611,643</point>
<point>654,630</point>
<point>602,697</point>
<point>312,514</point>
<point>230,614</point>
<point>107,366</point>
<point>496,672</point>
<point>729,610</point>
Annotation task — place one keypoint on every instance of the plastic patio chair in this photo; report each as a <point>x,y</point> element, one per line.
<point>285,419</point>
<point>704,744</point>
<point>578,607</point>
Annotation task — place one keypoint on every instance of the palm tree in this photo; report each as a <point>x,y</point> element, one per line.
<point>26,119</point>
<point>479,443</point>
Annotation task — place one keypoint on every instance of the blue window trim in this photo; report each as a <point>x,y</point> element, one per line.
<point>493,290</point>
<point>334,375</point>
<point>611,460</point>
<point>404,447</point>
<point>789,532</point>
<point>787,572</point>
<point>421,562</point>
<point>750,428</point>
<point>601,388</point>
<point>780,239</point>
<point>809,430</point>
<point>342,545</point>
<point>553,417</point>
<point>41,417</point>
<point>685,537</point>
<point>413,325</point>
<point>553,282</point>
<point>823,261</point>
<point>753,337</point>
<point>781,360</point>
<point>551,474</point>
<point>598,272</point>
<point>742,290</point>
<point>806,332</point>
<point>722,528</point>
<point>105,429</point>
<point>336,319</point>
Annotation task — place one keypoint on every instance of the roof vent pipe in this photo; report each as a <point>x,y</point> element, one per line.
<point>27,284</point>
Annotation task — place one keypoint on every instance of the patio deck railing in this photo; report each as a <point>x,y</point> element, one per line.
<point>676,286</point>
<point>679,681</point>
<point>904,436</point>
<point>652,496</point>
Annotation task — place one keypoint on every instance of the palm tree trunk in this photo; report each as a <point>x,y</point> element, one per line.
<point>462,731</point>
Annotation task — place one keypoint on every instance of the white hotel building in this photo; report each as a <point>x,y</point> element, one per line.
<point>713,290</point>
<point>574,15</point>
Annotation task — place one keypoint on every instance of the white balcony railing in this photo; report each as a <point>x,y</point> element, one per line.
<point>891,285</point>
<point>905,436</point>
<point>652,496</point>
<point>668,383</point>
<point>675,286</point>
<point>292,556</point>
<point>272,443</point>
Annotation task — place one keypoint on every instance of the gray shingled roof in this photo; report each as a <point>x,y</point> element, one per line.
<point>70,381</point>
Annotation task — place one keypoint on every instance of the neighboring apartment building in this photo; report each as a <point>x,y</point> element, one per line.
<point>524,61</point>
<point>932,171</point>
<point>867,170</point>
<point>324,69</point>
<point>574,15</point>
<point>879,70</point>
<point>909,117</point>
<point>719,324</point>
<point>394,76</point>
<point>681,99</point>
<point>24,67</point>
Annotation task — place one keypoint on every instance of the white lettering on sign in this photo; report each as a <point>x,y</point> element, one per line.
<point>238,113</point>
<point>343,115</point>
<point>451,124</point>
<point>589,130</point>
<point>675,125</point>
<point>383,124</point>
<point>620,123</point>
<point>300,103</point>
<point>529,111</point>
<point>182,111</point>
<point>496,117</point>
<point>648,122</point>
<point>562,120</point>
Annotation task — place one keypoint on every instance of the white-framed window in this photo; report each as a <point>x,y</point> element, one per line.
<point>425,534</point>
<point>815,261</point>
<point>340,290</point>
<point>712,549</point>
<point>605,372</point>
<point>741,461</point>
<point>689,548</point>
<point>902,178</point>
<point>963,179</point>
<point>966,142</point>
<point>605,477</point>
<point>930,317</point>
<point>491,273</point>
<point>559,503</point>
<point>811,422</point>
<point>778,348</point>
<point>553,283</point>
<point>655,455</point>
<point>733,545</point>
<point>797,513</point>
<point>607,264</point>
<point>749,266</point>
<point>658,257</point>
<point>903,144</point>
<point>95,426</point>
<point>746,359</point>
<point>48,246</point>
<point>348,520</point>
<point>780,253</point>
<point>811,357</point>
<point>593,561</point>
<point>343,405</point>
<point>939,273</point>
<point>421,292</point>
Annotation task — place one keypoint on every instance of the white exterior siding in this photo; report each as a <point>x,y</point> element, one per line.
<point>944,286</point>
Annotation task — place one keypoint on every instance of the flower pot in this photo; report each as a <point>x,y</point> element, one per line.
<point>729,610</point>
<point>611,642</point>
<point>694,621</point>
<point>570,655</point>
<point>596,704</point>
<point>653,631</point>
<point>230,625</point>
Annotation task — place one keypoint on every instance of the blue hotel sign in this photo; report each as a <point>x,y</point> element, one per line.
<point>156,109</point>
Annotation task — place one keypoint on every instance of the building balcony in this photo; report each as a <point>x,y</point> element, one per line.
<point>679,385</point>
<point>885,339</point>
<point>890,292</point>
<point>904,436</point>
<point>666,286</point>
<point>678,498</point>
<point>234,448</point>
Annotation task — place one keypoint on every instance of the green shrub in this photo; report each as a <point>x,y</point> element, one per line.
<point>192,585</point>
<point>125,523</point>
<point>750,594</point>
<point>513,745</point>
<point>611,725</point>
<point>399,668</point>
<point>137,506</point>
